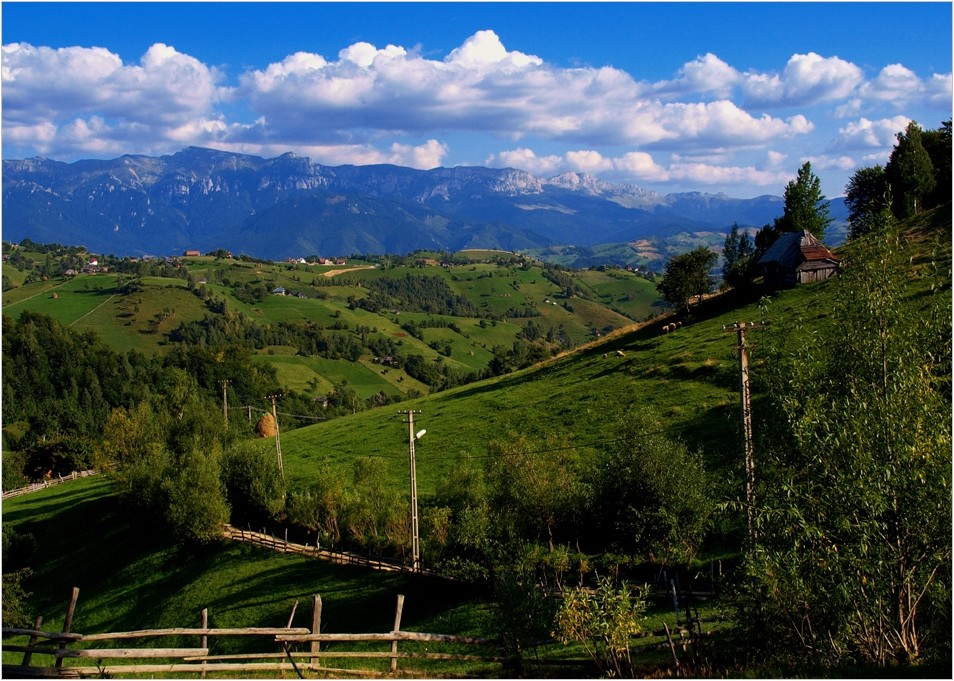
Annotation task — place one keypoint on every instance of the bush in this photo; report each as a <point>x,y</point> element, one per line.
<point>603,620</point>
<point>197,508</point>
<point>253,484</point>
<point>651,495</point>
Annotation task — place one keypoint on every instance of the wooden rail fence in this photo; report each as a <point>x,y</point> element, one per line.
<point>87,658</point>
<point>339,557</point>
<point>43,484</point>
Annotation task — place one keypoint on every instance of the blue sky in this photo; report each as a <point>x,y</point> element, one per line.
<point>714,97</point>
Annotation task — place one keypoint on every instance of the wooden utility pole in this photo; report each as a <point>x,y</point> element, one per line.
<point>225,402</point>
<point>748,445</point>
<point>415,536</point>
<point>278,440</point>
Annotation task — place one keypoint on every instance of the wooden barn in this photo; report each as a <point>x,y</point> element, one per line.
<point>798,258</point>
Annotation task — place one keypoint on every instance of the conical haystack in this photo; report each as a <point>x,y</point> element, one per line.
<point>266,426</point>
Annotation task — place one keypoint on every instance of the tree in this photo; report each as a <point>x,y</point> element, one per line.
<point>650,495</point>
<point>533,492</point>
<point>738,251</point>
<point>254,486</point>
<point>376,513</point>
<point>197,508</point>
<point>687,275</point>
<point>853,558</point>
<point>805,205</point>
<point>866,195</point>
<point>321,506</point>
<point>937,143</point>
<point>910,172</point>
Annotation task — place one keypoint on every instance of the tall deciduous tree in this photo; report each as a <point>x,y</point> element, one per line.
<point>805,205</point>
<point>866,195</point>
<point>937,143</point>
<point>533,492</point>
<point>651,495</point>
<point>687,275</point>
<point>910,172</point>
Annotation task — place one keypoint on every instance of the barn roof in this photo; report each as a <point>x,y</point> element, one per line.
<point>793,248</point>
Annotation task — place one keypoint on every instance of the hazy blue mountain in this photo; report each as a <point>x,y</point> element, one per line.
<point>288,206</point>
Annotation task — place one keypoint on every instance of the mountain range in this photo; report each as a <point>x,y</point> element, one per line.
<point>288,206</point>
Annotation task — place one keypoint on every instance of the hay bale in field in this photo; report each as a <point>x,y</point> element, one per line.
<point>266,426</point>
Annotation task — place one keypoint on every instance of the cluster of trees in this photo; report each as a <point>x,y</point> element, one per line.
<point>917,177</point>
<point>415,293</point>
<point>642,496</point>
<point>60,386</point>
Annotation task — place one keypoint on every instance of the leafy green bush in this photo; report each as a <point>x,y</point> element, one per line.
<point>253,483</point>
<point>651,496</point>
<point>603,619</point>
<point>196,509</point>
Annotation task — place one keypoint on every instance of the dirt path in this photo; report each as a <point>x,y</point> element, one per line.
<point>331,273</point>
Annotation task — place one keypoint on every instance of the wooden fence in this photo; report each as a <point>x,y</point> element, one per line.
<point>339,557</point>
<point>87,658</point>
<point>43,484</point>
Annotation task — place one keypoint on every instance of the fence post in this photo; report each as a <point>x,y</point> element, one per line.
<point>672,647</point>
<point>204,624</point>
<point>69,622</point>
<point>397,628</point>
<point>315,627</point>
<point>27,656</point>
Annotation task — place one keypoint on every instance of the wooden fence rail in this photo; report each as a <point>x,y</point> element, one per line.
<point>91,660</point>
<point>338,557</point>
<point>43,484</point>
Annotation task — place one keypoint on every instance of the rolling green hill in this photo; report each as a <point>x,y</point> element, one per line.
<point>568,406</point>
<point>502,294</point>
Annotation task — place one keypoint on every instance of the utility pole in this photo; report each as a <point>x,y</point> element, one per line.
<point>225,402</point>
<point>278,440</point>
<point>748,445</point>
<point>415,536</point>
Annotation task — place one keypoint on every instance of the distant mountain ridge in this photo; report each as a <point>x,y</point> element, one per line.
<point>289,206</point>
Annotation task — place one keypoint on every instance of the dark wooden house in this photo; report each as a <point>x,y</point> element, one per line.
<point>798,258</point>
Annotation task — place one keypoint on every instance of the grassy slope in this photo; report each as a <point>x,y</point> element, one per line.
<point>131,579</point>
<point>128,322</point>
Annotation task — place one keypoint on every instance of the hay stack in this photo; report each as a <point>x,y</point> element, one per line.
<point>266,426</point>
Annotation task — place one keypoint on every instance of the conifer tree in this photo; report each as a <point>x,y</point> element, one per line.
<point>805,205</point>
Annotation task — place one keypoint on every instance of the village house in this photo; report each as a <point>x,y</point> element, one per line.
<point>798,258</point>
<point>192,254</point>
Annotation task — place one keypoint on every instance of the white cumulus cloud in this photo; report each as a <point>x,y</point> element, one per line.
<point>525,159</point>
<point>705,74</point>
<point>865,135</point>
<point>807,79</point>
